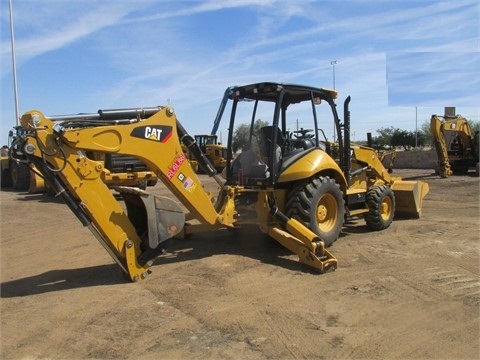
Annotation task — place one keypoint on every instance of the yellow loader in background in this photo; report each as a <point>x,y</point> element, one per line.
<point>15,170</point>
<point>215,152</point>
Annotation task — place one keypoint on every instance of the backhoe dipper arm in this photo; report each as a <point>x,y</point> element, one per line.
<point>436,128</point>
<point>58,148</point>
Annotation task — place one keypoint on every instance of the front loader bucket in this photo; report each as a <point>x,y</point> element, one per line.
<point>409,197</point>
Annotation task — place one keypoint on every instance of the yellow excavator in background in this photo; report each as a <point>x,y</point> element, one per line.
<point>456,144</point>
<point>294,191</point>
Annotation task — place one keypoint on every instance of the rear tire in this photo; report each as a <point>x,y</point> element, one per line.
<point>20,175</point>
<point>381,204</point>
<point>152,182</point>
<point>142,184</point>
<point>319,205</point>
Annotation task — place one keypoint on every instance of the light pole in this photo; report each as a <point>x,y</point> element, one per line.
<point>12,41</point>
<point>333,63</point>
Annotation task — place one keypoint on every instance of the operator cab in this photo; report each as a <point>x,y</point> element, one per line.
<point>272,148</point>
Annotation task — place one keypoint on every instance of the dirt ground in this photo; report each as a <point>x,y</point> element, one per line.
<point>409,292</point>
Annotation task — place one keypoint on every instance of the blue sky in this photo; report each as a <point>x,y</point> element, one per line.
<point>400,61</point>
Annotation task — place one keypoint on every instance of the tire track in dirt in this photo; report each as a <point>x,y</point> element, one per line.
<point>455,274</point>
<point>463,286</point>
<point>413,331</point>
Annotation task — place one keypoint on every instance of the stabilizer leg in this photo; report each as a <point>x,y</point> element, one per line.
<point>314,254</point>
<point>302,241</point>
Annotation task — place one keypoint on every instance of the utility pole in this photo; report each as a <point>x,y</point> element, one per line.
<point>14,64</point>
<point>416,121</point>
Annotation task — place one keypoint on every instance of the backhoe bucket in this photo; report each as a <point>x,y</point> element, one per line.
<point>158,216</point>
<point>409,197</point>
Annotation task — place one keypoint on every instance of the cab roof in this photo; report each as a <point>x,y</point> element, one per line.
<point>268,91</point>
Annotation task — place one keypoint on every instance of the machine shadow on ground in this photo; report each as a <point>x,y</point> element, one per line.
<point>247,241</point>
<point>64,279</point>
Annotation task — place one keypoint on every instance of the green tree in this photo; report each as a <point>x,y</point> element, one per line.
<point>397,137</point>
<point>406,139</point>
<point>474,125</point>
<point>427,134</point>
<point>400,138</point>
<point>241,134</point>
<point>385,138</point>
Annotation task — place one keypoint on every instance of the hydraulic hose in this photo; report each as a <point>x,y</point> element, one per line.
<point>193,147</point>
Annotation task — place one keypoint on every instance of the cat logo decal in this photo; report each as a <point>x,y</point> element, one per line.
<point>155,133</point>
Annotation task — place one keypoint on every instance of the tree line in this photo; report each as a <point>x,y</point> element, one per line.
<point>394,137</point>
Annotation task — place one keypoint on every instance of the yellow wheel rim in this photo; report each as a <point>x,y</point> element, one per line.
<point>386,208</point>
<point>327,210</point>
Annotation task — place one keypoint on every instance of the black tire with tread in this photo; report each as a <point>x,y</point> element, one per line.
<point>319,205</point>
<point>152,182</point>
<point>142,184</point>
<point>20,175</point>
<point>380,200</point>
<point>6,179</point>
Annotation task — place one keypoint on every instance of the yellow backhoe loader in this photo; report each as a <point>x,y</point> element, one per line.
<point>293,191</point>
<point>456,144</point>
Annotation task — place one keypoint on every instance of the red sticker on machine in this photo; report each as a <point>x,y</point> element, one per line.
<point>175,166</point>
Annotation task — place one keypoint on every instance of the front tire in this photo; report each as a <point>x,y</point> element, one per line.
<point>380,200</point>
<point>20,175</point>
<point>319,205</point>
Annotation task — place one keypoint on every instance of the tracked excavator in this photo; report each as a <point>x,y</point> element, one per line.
<point>457,145</point>
<point>293,191</point>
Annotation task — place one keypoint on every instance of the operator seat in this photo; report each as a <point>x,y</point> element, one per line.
<point>252,165</point>
<point>266,143</point>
